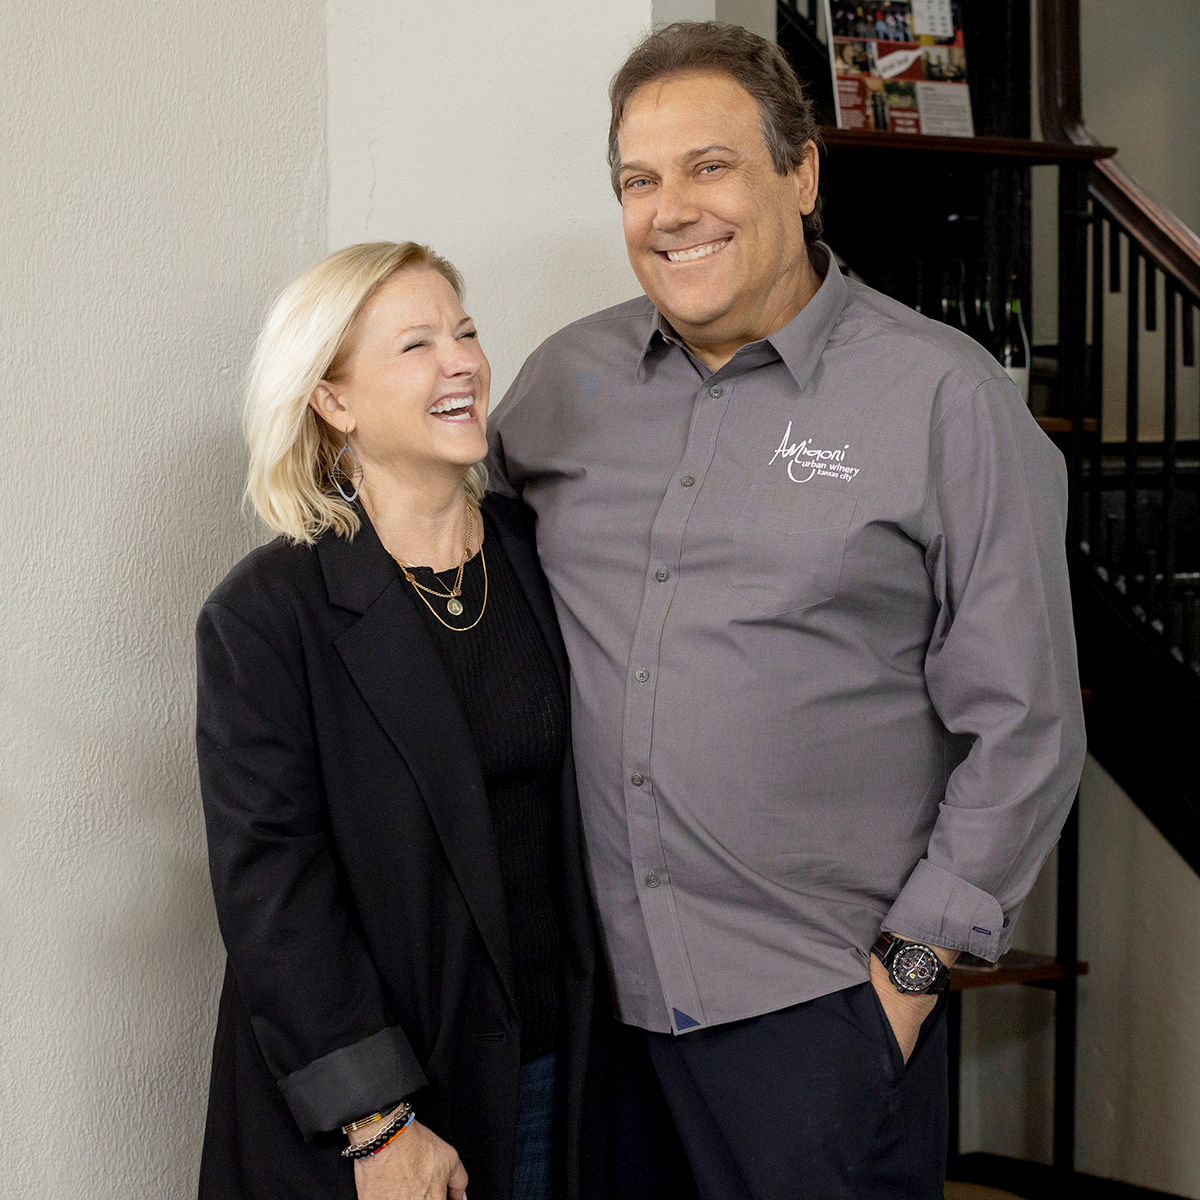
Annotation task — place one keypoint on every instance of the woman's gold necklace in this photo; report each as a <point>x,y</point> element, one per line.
<point>453,603</point>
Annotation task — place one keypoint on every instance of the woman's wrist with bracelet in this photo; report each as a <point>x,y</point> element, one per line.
<point>366,1123</point>
<point>372,1135</point>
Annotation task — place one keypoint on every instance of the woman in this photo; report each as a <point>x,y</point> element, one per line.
<point>387,779</point>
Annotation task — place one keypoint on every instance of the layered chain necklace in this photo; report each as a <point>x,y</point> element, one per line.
<point>454,605</point>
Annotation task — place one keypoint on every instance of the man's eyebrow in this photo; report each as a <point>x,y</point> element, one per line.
<point>700,152</point>
<point>716,146</point>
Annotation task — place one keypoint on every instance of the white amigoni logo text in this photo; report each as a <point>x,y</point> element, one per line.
<point>804,460</point>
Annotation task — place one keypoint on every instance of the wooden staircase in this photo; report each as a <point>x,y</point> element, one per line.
<point>1129,272</point>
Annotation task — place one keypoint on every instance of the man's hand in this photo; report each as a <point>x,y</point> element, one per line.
<point>418,1165</point>
<point>905,1014</point>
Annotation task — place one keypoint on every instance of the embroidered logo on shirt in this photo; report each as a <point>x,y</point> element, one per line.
<point>806,461</point>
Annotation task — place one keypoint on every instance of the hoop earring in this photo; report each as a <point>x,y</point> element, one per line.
<point>340,477</point>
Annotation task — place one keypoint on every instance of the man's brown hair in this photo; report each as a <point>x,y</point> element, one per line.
<point>757,65</point>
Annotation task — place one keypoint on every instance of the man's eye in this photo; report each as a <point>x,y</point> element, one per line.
<point>704,170</point>
<point>633,185</point>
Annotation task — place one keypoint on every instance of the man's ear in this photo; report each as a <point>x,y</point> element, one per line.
<point>325,403</point>
<point>807,173</point>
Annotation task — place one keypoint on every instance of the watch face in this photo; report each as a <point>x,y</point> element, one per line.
<point>915,968</point>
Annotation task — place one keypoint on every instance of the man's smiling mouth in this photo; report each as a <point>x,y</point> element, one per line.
<point>695,252</point>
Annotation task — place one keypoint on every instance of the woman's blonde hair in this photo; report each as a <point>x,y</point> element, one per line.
<point>306,339</point>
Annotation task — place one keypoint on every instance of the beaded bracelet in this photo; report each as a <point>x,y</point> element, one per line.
<point>397,1123</point>
<point>373,1119</point>
<point>390,1140</point>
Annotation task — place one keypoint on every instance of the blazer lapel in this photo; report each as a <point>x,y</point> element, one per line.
<point>399,674</point>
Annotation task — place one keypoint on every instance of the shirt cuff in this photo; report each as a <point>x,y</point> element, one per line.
<point>351,1082</point>
<point>937,907</point>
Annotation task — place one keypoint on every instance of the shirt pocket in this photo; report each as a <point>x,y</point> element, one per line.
<point>789,544</point>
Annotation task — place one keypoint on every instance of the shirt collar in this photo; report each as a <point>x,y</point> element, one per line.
<point>799,344</point>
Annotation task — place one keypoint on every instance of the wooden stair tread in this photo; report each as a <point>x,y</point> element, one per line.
<point>1063,424</point>
<point>1017,966</point>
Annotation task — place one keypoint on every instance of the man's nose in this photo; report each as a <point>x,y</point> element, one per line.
<point>676,208</point>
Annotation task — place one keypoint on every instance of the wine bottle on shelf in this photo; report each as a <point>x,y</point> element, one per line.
<point>979,310</point>
<point>954,305</point>
<point>1014,342</point>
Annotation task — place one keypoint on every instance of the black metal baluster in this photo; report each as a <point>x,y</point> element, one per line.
<point>1114,258</point>
<point>1074,217</point>
<point>1110,545</point>
<point>1095,464</point>
<point>1151,297</point>
<point>1148,584</point>
<point>1191,628</point>
<point>1189,334</point>
<point>1168,494</point>
<point>1131,420</point>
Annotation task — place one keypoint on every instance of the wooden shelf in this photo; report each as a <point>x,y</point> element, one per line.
<point>1063,424</point>
<point>1017,966</point>
<point>980,151</point>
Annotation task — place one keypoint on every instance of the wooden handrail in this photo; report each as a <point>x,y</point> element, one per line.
<point>1170,243</point>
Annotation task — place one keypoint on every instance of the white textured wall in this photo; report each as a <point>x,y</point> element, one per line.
<point>486,139</point>
<point>1138,1076</point>
<point>1139,1008</point>
<point>1140,93</point>
<point>163,175</point>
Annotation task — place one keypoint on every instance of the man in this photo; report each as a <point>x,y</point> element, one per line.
<point>807,551</point>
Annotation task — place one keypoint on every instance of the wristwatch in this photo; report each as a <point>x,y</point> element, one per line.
<point>913,967</point>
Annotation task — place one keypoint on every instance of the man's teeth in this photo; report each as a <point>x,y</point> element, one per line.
<point>445,406</point>
<point>696,251</point>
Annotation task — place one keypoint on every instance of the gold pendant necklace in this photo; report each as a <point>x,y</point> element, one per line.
<point>482,607</point>
<point>453,604</point>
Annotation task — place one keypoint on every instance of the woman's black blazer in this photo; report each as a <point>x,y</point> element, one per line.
<point>357,883</point>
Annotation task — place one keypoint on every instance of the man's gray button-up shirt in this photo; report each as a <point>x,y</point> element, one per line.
<point>826,685</point>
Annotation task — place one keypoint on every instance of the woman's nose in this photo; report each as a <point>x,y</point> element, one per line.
<point>462,359</point>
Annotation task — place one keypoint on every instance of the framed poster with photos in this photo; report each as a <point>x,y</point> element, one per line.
<point>899,66</point>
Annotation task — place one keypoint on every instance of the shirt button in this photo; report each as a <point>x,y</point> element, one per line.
<point>662,574</point>
<point>688,480</point>
<point>637,780</point>
<point>641,675</point>
<point>652,879</point>
<point>716,391</point>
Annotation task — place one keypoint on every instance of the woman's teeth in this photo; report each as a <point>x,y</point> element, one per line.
<point>444,408</point>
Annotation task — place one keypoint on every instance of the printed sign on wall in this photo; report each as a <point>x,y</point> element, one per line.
<point>900,66</point>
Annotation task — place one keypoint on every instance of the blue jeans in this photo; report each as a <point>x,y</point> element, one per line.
<point>533,1170</point>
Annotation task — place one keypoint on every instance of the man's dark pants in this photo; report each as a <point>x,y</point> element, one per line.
<point>813,1102</point>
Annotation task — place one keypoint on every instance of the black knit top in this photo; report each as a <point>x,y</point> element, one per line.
<point>505,681</point>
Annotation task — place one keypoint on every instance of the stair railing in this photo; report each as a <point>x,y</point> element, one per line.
<point>1135,500</point>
